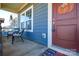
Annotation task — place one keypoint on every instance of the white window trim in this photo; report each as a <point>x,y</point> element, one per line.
<point>31,7</point>
<point>50,45</point>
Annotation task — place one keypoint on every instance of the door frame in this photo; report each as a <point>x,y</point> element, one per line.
<point>49,25</point>
<point>50,45</point>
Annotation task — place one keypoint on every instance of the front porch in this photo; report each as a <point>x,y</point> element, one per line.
<point>36,20</point>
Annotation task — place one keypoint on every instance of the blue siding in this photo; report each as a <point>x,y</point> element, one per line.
<point>40,23</point>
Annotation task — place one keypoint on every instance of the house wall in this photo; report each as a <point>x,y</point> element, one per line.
<point>40,24</point>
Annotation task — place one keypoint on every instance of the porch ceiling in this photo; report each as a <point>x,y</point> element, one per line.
<point>12,7</point>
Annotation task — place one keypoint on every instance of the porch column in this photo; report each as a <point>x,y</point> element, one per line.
<point>1,43</point>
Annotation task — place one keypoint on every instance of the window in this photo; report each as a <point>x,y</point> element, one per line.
<point>28,14</point>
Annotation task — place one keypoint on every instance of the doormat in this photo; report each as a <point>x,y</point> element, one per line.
<point>50,52</point>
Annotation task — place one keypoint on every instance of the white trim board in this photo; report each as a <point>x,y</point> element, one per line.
<point>50,45</point>
<point>49,25</point>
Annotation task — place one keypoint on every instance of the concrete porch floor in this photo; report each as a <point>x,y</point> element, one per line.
<point>28,48</point>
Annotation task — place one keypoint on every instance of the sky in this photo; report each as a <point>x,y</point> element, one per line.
<point>6,16</point>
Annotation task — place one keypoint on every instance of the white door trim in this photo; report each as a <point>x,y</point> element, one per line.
<point>49,25</point>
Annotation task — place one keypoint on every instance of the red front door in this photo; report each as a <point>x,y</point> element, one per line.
<point>64,25</point>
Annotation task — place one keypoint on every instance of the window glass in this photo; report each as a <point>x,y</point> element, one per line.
<point>29,13</point>
<point>28,25</point>
<point>22,25</point>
